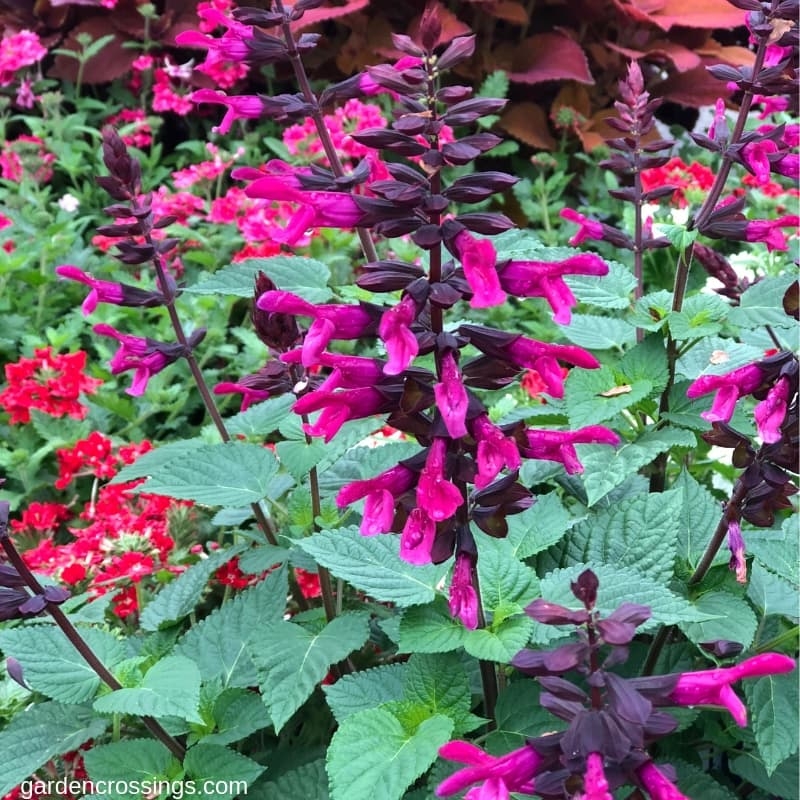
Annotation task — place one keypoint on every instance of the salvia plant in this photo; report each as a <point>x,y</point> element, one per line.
<point>546,576</point>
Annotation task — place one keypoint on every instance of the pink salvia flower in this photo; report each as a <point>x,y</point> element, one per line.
<point>658,786</point>
<point>146,356</point>
<point>499,775</point>
<point>381,493</point>
<point>478,259</point>
<point>545,279</point>
<point>231,46</point>
<point>560,445</point>
<point>769,231</point>
<point>736,546</point>
<point>348,372</point>
<point>729,388</point>
<point>543,357</point>
<point>756,156</point>
<point>788,166</point>
<point>712,687</point>
<point>589,228</point>
<point>416,540</point>
<point>595,785</point>
<point>495,451</point>
<point>438,496</point>
<point>245,106</point>
<point>337,408</point>
<point>771,412</point>
<point>119,294</point>
<point>451,397</point>
<point>250,395</point>
<point>395,331</point>
<point>463,598</point>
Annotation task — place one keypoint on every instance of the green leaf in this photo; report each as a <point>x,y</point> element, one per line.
<point>697,517</point>
<point>500,643</point>
<point>495,84</point>
<point>770,593</point>
<point>366,689</point>
<point>679,236</point>
<point>53,666</point>
<point>226,474</point>
<point>595,395</point>
<point>538,527</point>
<point>519,717</point>
<point>784,782</point>
<point>223,768</point>
<point>262,418</point>
<point>599,333</point>
<point>439,685</point>
<point>772,703</point>
<point>170,688</point>
<point>505,582</point>
<point>300,457</point>
<point>393,759</point>
<point>291,660</point>
<point>58,430</point>
<point>41,732</point>
<point>518,245</point>
<point>778,550</point>
<point>219,645</point>
<point>646,362</point>
<point>651,311</point>
<point>735,620</point>
<point>694,782</point>
<point>237,713</point>
<point>608,291</point>
<point>762,304</point>
<point>364,462</point>
<point>617,585</point>
<point>430,629</point>
<point>127,761</point>
<point>638,532</point>
<point>373,565</point>
<point>701,315</point>
<point>156,460</point>
<point>309,782</point>
<point>605,468</point>
<point>715,356</point>
<point>179,598</point>
<point>305,277</point>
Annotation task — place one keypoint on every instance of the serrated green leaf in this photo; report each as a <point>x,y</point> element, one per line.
<point>607,291</point>
<point>305,277</point>
<point>237,713</point>
<point>638,532</point>
<point>772,594</point>
<point>647,361</point>
<point>495,84</point>
<point>499,643</point>
<point>226,474</point>
<point>701,315</point>
<point>762,304</point>
<point>778,550</point>
<point>127,761</point>
<point>693,782</point>
<point>291,660</point>
<point>679,236</point>
<point>697,517</point>
<point>155,460</point>
<point>40,732</point>
<point>606,468</point>
<point>595,395</point>
<point>368,688</point>
<point>599,333</point>
<point>222,767</point>
<point>735,621</point>
<point>505,582</point>
<point>300,457</point>
<point>430,629</point>
<point>650,312</point>
<point>772,703</point>
<point>170,688</point>
<point>715,356</point>
<point>373,565</point>
<point>517,245</point>
<point>538,527</point>
<point>219,644</point>
<point>393,760</point>
<point>617,585</point>
<point>519,717</point>
<point>784,782</point>
<point>309,782</point>
<point>179,598</point>
<point>262,418</point>
<point>52,665</point>
<point>59,430</point>
<point>439,685</point>
<point>364,462</point>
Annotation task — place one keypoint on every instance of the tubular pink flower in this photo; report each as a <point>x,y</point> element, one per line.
<point>231,46</point>
<point>417,537</point>
<point>337,408</point>
<point>589,228</point>
<point>595,785</point>
<point>719,126</point>
<point>712,687</point>
<point>658,786</point>
<point>146,356</point>
<point>729,388</point>
<point>769,231</point>
<point>736,546</point>
<point>495,451</point>
<point>771,412</point>
<point>463,598</point>
<point>119,294</point>
<point>348,372</point>
<point>330,321</point>
<point>380,492</point>
<point>499,775</point>
<point>439,497</point>
<point>250,395</point>
<point>545,279</point>
<point>560,445</point>
<point>530,354</point>
<point>756,156</point>
<point>788,166</point>
<point>451,397</point>
<point>245,106</point>
<point>395,331</point>
<point>478,259</point>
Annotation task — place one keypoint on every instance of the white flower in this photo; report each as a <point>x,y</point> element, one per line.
<point>69,203</point>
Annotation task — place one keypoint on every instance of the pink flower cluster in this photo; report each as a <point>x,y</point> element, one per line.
<point>17,51</point>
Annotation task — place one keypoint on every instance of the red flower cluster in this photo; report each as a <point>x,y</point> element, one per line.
<point>96,456</point>
<point>48,382</point>
<point>680,175</point>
